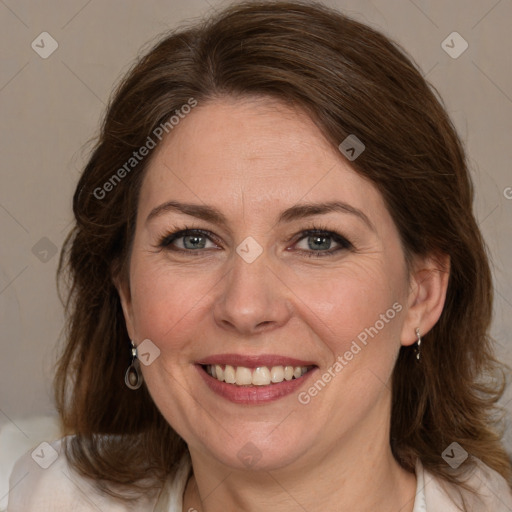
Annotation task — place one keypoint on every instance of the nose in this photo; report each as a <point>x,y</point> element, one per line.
<point>252,298</point>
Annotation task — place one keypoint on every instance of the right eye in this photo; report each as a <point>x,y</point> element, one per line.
<point>186,240</point>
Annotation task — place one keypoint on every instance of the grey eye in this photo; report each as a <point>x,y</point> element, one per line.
<point>193,241</point>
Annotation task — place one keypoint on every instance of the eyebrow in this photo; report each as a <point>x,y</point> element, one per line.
<point>299,211</point>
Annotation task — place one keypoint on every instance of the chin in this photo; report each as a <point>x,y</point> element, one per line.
<point>260,450</point>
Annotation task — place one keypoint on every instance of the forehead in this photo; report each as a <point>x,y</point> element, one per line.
<point>255,153</point>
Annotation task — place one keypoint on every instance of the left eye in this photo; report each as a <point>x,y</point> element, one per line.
<point>320,242</point>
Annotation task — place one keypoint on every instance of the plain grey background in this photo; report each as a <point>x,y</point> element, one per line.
<point>50,107</point>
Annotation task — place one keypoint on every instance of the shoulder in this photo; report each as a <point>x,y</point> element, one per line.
<point>490,491</point>
<point>42,480</point>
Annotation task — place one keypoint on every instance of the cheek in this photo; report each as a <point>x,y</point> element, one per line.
<point>165,302</point>
<point>351,298</point>
<point>356,313</point>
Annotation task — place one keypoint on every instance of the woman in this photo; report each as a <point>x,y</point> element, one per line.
<point>277,223</point>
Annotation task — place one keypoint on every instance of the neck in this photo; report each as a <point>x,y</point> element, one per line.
<point>356,473</point>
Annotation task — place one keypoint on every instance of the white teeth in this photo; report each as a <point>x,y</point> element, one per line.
<point>261,376</point>
<point>243,376</point>
<point>229,374</point>
<point>219,372</point>
<point>277,374</point>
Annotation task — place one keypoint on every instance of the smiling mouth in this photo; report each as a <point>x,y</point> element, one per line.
<point>260,376</point>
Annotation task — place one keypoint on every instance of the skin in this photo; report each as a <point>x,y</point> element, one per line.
<point>252,159</point>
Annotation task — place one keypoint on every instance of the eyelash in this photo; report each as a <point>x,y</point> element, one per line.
<point>344,244</point>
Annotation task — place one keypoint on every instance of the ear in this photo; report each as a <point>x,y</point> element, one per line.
<point>123,289</point>
<point>427,294</point>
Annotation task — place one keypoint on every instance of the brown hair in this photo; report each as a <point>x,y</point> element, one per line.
<point>351,80</point>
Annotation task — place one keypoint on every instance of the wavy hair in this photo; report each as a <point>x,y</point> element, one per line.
<point>350,79</point>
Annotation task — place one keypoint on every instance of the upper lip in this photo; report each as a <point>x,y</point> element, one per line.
<point>268,360</point>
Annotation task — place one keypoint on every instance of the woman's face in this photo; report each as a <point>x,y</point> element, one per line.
<point>252,289</point>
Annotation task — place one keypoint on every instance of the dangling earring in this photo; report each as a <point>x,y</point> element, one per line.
<point>418,344</point>
<point>133,376</point>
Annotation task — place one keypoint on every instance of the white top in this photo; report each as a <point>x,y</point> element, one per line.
<point>58,488</point>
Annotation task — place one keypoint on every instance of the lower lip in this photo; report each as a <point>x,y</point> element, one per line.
<point>253,395</point>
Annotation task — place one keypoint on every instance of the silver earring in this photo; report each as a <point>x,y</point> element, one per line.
<point>418,344</point>
<point>133,376</point>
